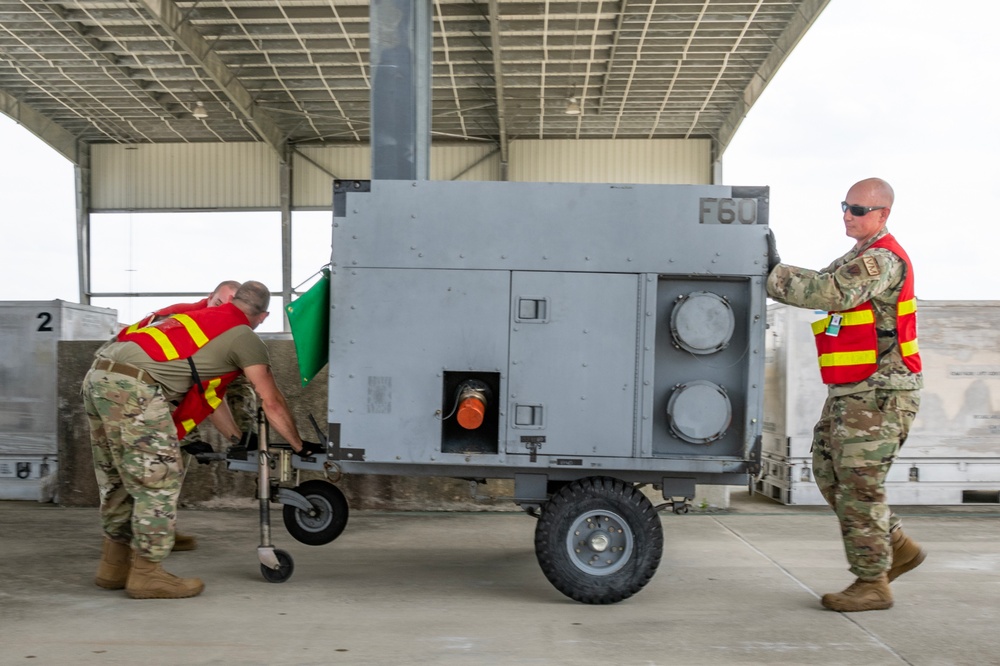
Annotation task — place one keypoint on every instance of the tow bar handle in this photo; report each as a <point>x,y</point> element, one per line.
<point>319,433</point>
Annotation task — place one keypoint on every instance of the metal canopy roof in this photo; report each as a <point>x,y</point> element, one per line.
<point>290,72</point>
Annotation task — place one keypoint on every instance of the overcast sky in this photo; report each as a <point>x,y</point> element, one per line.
<point>900,89</point>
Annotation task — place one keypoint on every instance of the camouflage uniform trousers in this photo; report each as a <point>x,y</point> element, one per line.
<point>854,444</point>
<point>242,403</point>
<point>136,460</point>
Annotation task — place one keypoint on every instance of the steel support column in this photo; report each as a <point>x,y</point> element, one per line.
<point>82,179</point>
<point>285,174</point>
<point>401,41</point>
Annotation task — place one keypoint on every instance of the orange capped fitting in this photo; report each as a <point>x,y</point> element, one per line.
<point>471,410</point>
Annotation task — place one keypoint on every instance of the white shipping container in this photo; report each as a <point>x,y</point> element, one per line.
<point>952,455</point>
<point>29,335</point>
<point>793,391</point>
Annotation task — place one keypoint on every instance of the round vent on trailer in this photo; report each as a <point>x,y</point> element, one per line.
<point>699,412</point>
<point>702,322</point>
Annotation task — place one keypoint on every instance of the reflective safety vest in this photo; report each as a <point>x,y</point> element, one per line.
<point>171,309</point>
<point>848,351</point>
<point>200,401</point>
<point>180,336</point>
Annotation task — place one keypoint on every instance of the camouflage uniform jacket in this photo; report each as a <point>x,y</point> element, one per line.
<point>860,275</point>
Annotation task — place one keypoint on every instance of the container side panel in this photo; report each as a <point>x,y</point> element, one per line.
<point>393,335</point>
<point>573,363</point>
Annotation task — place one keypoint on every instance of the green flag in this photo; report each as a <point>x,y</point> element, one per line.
<point>309,319</point>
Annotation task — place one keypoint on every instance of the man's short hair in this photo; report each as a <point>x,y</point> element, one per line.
<point>255,295</point>
<point>232,284</point>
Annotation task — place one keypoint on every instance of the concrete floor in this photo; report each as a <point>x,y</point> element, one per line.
<point>735,587</point>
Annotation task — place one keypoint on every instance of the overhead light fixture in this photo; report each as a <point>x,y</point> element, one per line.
<point>200,112</point>
<point>572,106</point>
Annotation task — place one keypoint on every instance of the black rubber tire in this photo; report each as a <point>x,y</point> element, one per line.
<point>634,547</point>
<point>284,571</point>
<point>331,514</point>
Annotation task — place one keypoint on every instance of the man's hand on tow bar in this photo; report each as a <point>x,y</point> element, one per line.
<point>310,449</point>
<point>196,448</point>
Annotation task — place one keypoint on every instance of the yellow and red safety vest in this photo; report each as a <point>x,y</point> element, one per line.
<point>171,309</point>
<point>852,354</point>
<point>180,336</point>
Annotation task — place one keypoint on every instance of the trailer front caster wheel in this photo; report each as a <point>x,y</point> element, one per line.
<point>284,571</point>
<point>599,540</point>
<point>325,521</point>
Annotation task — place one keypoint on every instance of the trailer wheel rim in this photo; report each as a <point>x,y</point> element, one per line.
<point>323,514</point>
<point>599,543</point>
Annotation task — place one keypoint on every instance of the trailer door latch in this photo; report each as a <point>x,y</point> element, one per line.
<point>533,443</point>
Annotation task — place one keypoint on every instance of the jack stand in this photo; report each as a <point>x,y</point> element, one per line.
<point>276,566</point>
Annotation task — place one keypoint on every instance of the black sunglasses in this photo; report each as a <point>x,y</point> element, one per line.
<point>858,211</point>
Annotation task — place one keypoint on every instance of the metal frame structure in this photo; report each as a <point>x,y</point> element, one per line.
<point>296,72</point>
<point>87,71</point>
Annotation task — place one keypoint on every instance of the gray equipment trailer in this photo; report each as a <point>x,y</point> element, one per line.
<point>584,340</point>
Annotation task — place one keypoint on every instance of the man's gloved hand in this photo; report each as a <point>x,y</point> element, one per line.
<point>311,449</point>
<point>773,258</point>
<point>249,441</point>
<point>194,448</point>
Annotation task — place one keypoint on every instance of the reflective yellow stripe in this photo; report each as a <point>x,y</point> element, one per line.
<point>907,307</point>
<point>168,348</point>
<point>908,348</point>
<point>211,397</point>
<point>188,425</point>
<point>858,318</point>
<point>197,335</point>
<point>849,319</point>
<point>847,358</point>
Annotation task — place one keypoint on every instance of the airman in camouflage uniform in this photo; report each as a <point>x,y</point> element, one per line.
<point>863,424</point>
<point>136,459</point>
<point>129,397</point>
<point>240,396</point>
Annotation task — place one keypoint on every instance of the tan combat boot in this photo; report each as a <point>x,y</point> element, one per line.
<point>861,595</point>
<point>184,542</point>
<point>906,554</point>
<point>113,569</point>
<point>148,580</point>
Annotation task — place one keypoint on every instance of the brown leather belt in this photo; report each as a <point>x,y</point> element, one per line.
<point>124,369</point>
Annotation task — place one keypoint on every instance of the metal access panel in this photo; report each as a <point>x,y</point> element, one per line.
<point>606,329</point>
<point>702,382</point>
<point>398,331</point>
<point>573,350</point>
